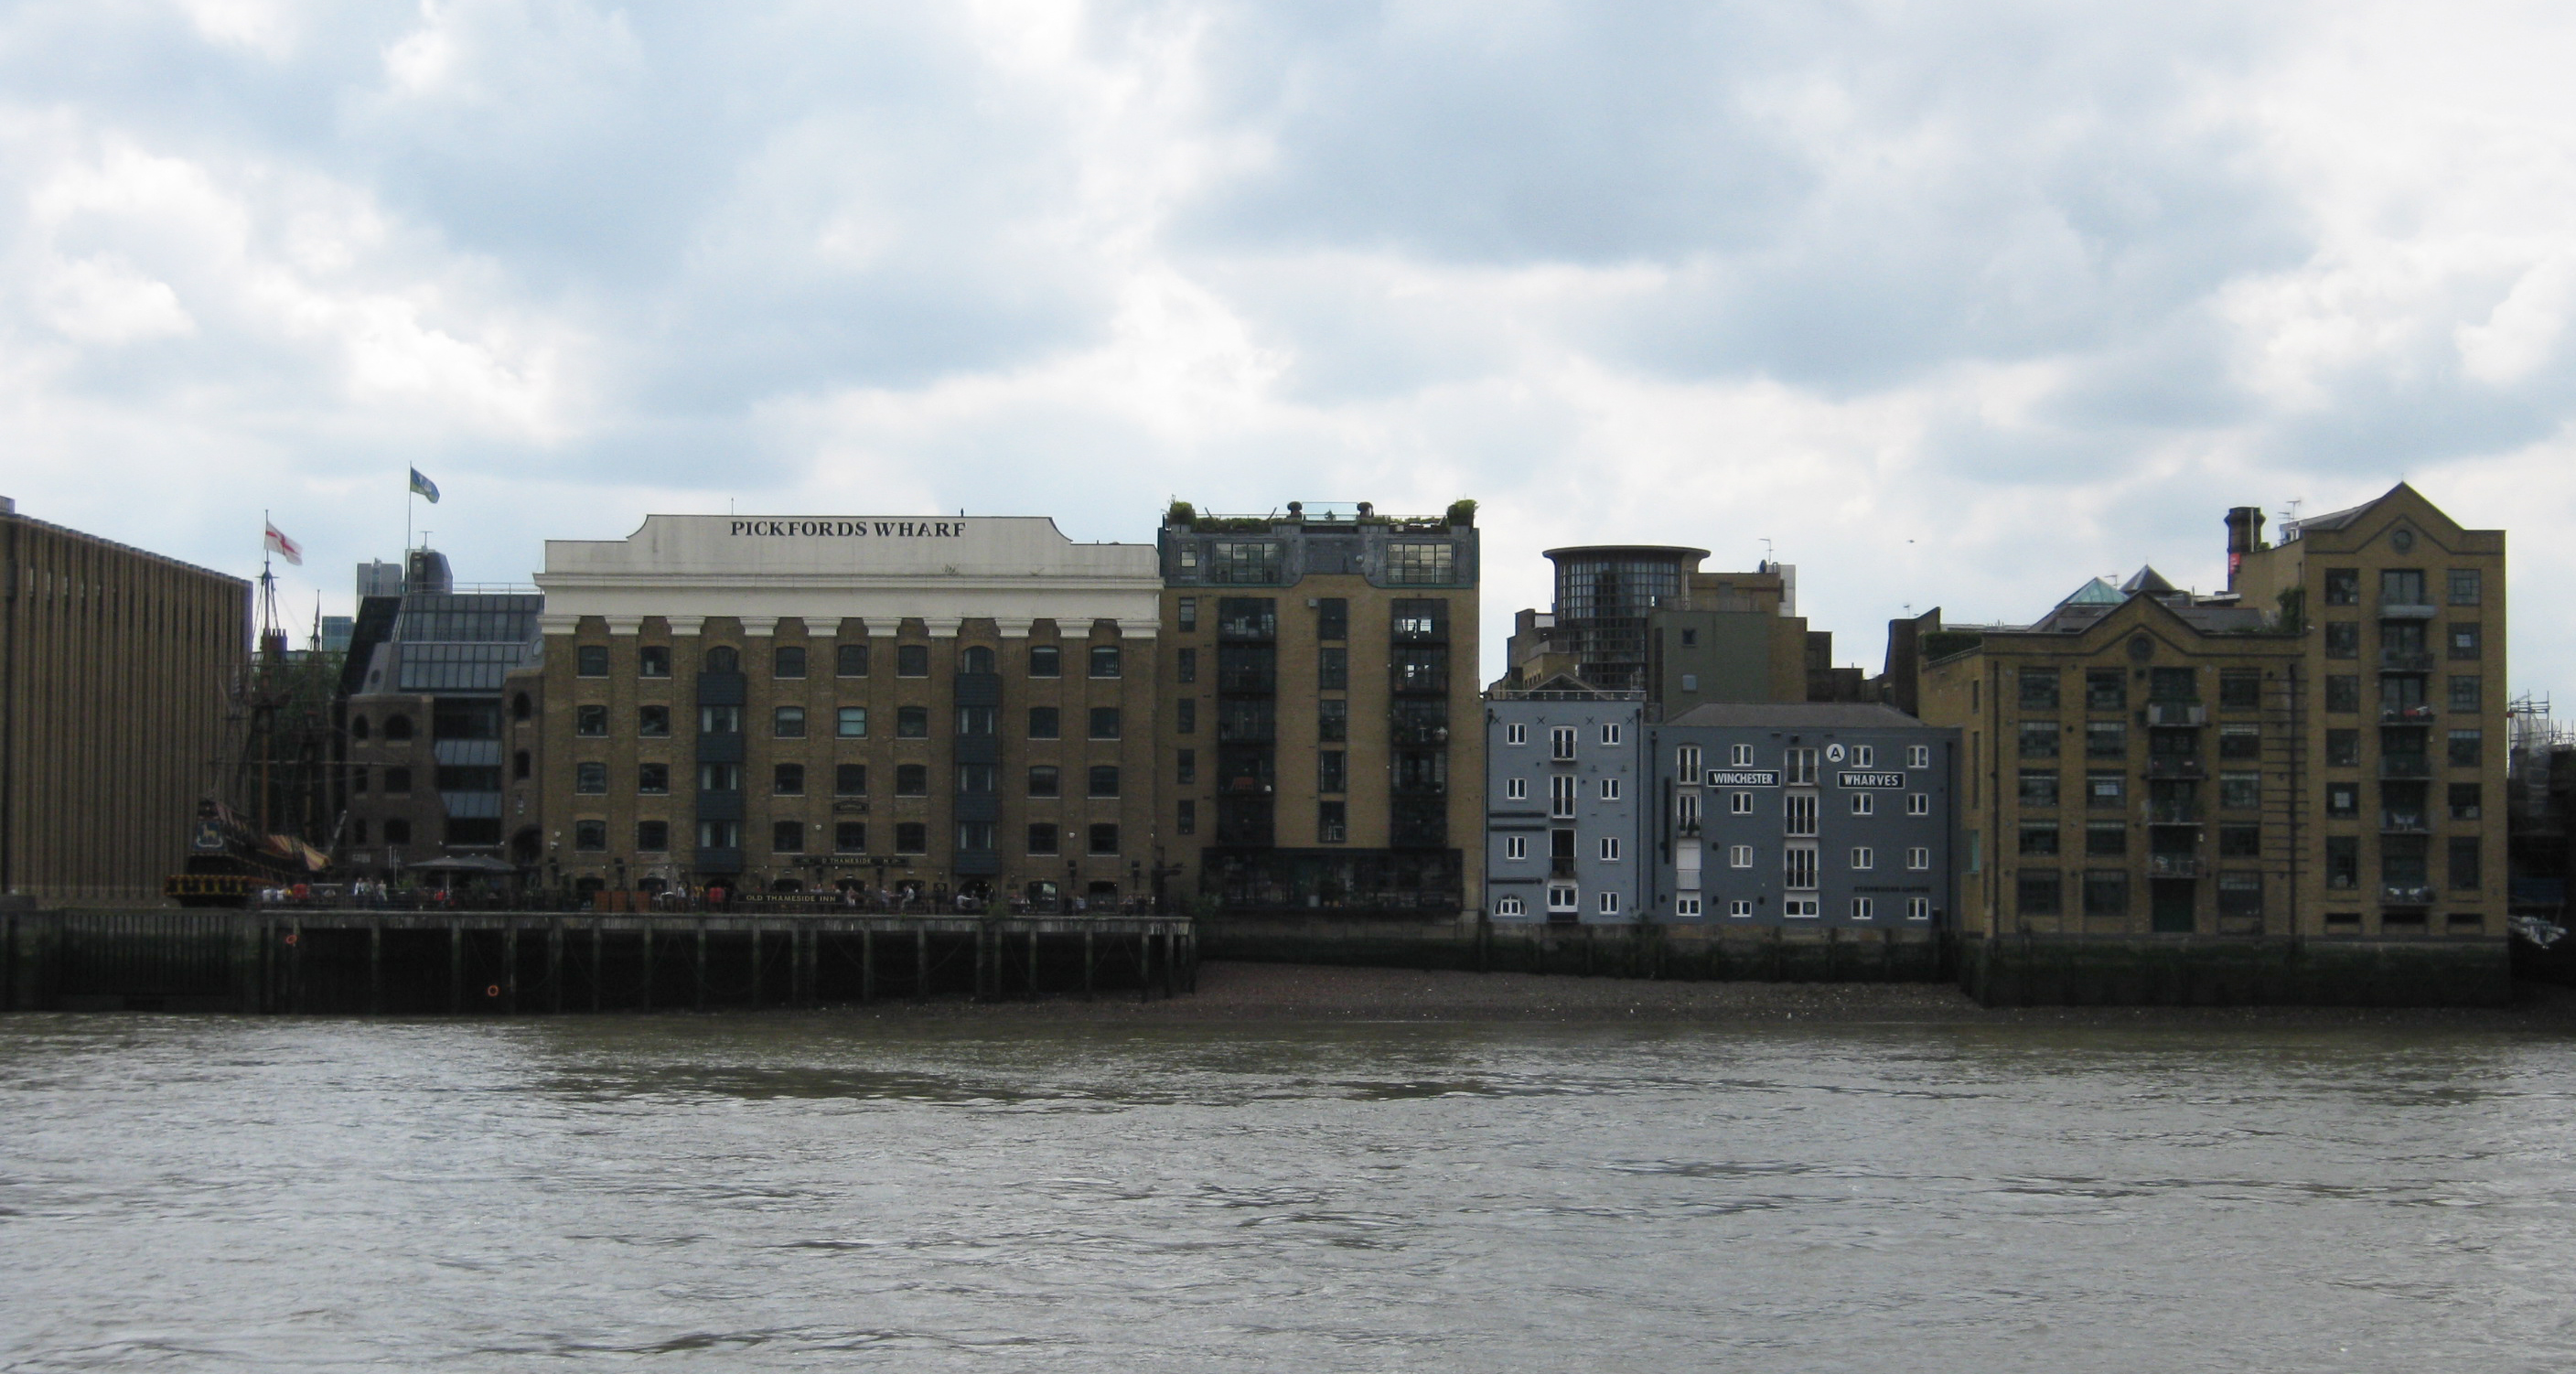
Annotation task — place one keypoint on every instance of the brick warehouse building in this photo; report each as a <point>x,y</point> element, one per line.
<point>774,703</point>
<point>1323,733</point>
<point>116,666</point>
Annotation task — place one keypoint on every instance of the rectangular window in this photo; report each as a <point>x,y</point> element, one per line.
<point>1609,789</point>
<point>976,779</point>
<point>850,780</point>
<point>974,837</point>
<point>1185,766</point>
<point>2343,694</point>
<point>2106,689</point>
<point>719,777</point>
<point>1104,722</point>
<point>1045,781</point>
<point>590,660</point>
<point>1043,723</point>
<point>851,660</point>
<point>851,722</point>
<point>1042,837</point>
<point>2037,789</point>
<point>1610,734</point>
<point>2464,863</point>
<point>1508,906</point>
<point>1515,734</point>
<point>719,720</point>
<point>1103,779</point>
<point>912,722</point>
<point>1331,773</point>
<point>1739,856</point>
<point>1798,867</point>
<point>787,722</point>
<point>912,660</point>
<point>2105,839</point>
<point>912,780</point>
<point>1864,756</point>
<point>1332,822</point>
<point>1419,565</point>
<point>590,721</point>
<point>1244,562</point>
<point>1918,859</point>
<point>1046,660</point>
<point>1864,908</point>
<point>2039,739</point>
<point>976,721</point>
<point>2343,800</point>
<point>2240,842</point>
<point>1863,858</point>
<point>1798,767</point>
<point>1189,613</point>
<point>2039,838</point>
<point>1188,817</point>
<point>787,660</point>
<point>2465,694</point>
<point>1185,715</point>
<point>2106,739</point>
<point>1686,907</point>
<point>2343,748</point>
<point>2240,791</point>
<point>1516,847</point>
<point>1686,765</point>
<point>1560,796</point>
<point>397,780</point>
<point>2343,586</point>
<point>2106,893</point>
<point>2465,801</point>
<point>1864,804</point>
<point>787,780</point>
<point>1686,812</point>
<point>2466,586</point>
<point>1185,665</point>
<point>2343,639</point>
<point>849,837</point>
<point>1516,789</point>
<point>1798,814</point>
<point>2465,748</point>
<point>653,722</point>
<point>653,660</point>
<point>2173,685</point>
<point>590,779</point>
<point>2402,587</point>
<point>719,835</point>
<point>1560,743</point>
<point>2240,689</point>
<point>590,837</point>
<point>1739,908</point>
<point>653,837</point>
<point>2108,791</point>
<point>2038,892</point>
<point>2464,641</point>
<point>1918,803</point>
<point>1739,755</point>
<point>1740,803</point>
<point>1918,756</point>
<point>653,779</point>
<point>1104,660</point>
<point>2240,741</point>
<point>1918,908</point>
<point>2240,895</point>
<point>1332,618</point>
<point>1609,903</point>
<point>1609,849</point>
<point>2343,862</point>
<point>2039,689</point>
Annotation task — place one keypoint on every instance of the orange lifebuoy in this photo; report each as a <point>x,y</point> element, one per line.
<point>492,991</point>
<point>290,938</point>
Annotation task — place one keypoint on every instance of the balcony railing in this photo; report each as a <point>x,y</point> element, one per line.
<point>2406,660</point>
<point>1561,867</point>
<point>2175,766</point>
<point>2177,713</point>
<point>2173,866</point>
<point>2406,894</point>
<point>2405,715</point>
<point>2406,766</point>
<point>2404,823</point>
<point>2173,813</point>
<point>2406,610</point>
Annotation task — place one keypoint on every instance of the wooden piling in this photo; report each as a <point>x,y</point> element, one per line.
<point>596,967</point>
<point>921,961</point>
<point>1144,968</point>
<point>646,958</point>
<point>455,969</point>
<point>867,966</point>
<point>701,1004</point>
<point>755,966</point>
<point>554,965</point>
<point>1088,961</point>
<point>376,967</point>
<point>510,965</point>
<point>980,971</point>
<point>295,965</point>
<point>1033,964</point>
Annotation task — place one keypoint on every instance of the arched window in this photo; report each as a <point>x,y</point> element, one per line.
<point>975,660</point>
<point>357,727</point>
<point>722,659</point>
<point>520,707</point>
<point>398,726</point>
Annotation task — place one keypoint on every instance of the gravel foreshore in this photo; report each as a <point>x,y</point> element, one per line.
<point>1231,992</point>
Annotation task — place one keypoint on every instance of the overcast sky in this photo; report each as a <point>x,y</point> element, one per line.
<point>1956,304</point>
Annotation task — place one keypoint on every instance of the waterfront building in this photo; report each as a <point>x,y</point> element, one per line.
<point>944,706</point>
<point>2317,750</point>
<point>1566,787</point>
<point>1801,815</point>
<point>430,767</point>
<point>117,667</point>
<point>1645,618</point>
<point>1319,729</point>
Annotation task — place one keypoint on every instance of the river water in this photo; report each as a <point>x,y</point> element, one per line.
<point>757,1192</point>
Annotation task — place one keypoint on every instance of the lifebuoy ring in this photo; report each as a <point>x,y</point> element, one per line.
<point>492,991</point>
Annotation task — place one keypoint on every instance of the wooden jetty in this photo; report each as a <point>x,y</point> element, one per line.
<point>363,962</point>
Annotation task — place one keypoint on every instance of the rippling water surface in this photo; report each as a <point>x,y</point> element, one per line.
<point>791,1193</point>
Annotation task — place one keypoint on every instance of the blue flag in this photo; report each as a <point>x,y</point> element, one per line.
<point>422,486</point>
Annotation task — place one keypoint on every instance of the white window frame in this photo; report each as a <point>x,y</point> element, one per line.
<point>1609,849</point>
<point>1798,767</point>
<point>1561,796</point>
<point>1686,810</point>
<point>1864,756</point>
<point>1798,813</point>
<point>1919,859</point>
<point>1918,756</point>
<point>1508,906</point>
<point>1739,856</point>
<point>1739,756</point>
<point>1918,908</point>
<point>1686,765</point>
<point>1610,734</point>
<point>1864,803</point>
<point>1863,858</point>
<point>1515,734</point>
<point>1686,906</point>
<point>1609,789</point>
<point>1864,908</point>
<point>1516,847</point>
<point>1739,908</point>
<point>1918,803</point>
<point>1739,804</point>
<point>1516,789</point>
<point>1801,908</point>
<point>1608,903</point>
<point>1563,897</point>
<point>1560,743</point>
<point>1797,862</point>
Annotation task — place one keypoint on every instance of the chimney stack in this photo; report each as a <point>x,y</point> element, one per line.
<point>2244,536</point>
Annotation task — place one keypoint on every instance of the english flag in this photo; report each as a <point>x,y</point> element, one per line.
<point>284,547</point>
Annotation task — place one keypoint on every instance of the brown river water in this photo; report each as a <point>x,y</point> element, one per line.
<point>829,1192</point>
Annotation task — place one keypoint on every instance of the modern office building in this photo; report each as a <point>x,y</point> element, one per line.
<point>2317,750</point>
<point>117,671</point>
<point>1801,815</point>
<point>946,706</point>
<point>1319,728</point>
<point>1644,618</point>
<point>1566,794</point>
<point>425,714</point>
